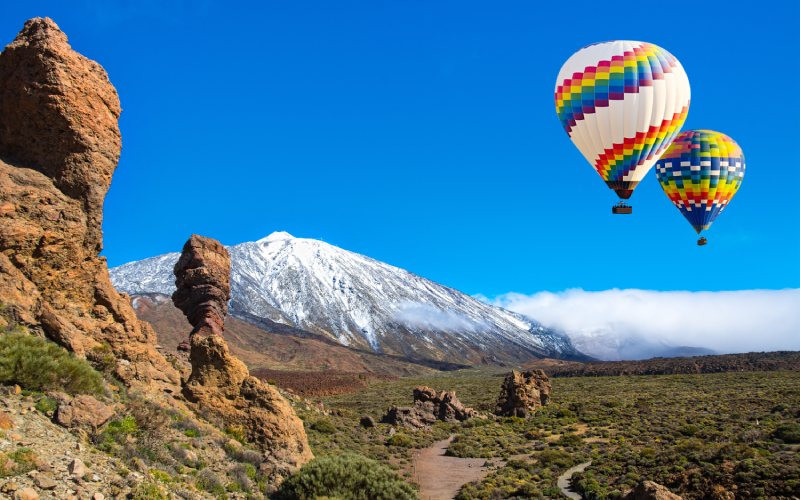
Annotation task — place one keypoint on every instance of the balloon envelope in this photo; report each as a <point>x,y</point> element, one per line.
<point>700,172</point>
<point>622,103</point>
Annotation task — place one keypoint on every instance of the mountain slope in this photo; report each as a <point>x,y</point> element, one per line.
<point>360,302</point>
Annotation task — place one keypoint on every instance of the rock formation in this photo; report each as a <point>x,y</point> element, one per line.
<point>59,146</point>
<point>522,393</point>
<point>220,385</point>
<point>648,490</point>
<point>429,406</point>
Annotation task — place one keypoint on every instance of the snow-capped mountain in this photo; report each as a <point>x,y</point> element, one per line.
<point>360,302</point>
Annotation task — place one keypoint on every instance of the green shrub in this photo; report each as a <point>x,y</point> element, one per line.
<point>116,432</point>
<point>236,432</point>
<point>349,477</point>
<point>46,405</point>
<point>148,491</point>
<point>324,426</point>
<point>400,439</point>
<point>789,432</point>
<point>37,364</point>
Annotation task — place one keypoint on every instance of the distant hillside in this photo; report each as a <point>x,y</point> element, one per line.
<point>279,347</point>
<point>359,302</point>
<point>746,362</point>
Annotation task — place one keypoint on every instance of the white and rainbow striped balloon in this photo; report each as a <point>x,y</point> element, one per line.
<point>622,103</point>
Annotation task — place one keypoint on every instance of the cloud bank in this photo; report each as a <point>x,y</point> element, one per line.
<point>634,324</point>
<point>425,316</point>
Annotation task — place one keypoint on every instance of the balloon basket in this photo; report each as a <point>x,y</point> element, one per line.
<point>701,241</point>
<point>622,208</point>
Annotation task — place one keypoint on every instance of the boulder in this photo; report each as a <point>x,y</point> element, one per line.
<point>220,385</point>
<point>59,146</point>
<point>83,411</point>
<point>522,393</point>
<point>26,494</point>
<point>367,422</point>
<point>429,406</point>
<point>77,468</point>
<point>649,490</point>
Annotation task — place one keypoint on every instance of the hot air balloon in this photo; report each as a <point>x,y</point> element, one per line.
<point>622,103</point>
<point>700,172</point>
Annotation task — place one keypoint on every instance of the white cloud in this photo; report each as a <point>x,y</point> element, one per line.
<point>426,316</point>
<point>629,324</point>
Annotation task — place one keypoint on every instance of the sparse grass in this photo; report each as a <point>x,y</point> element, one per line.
<point>17,462</point>
<point>38,364</point>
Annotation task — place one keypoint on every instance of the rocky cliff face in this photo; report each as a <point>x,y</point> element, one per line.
<point>220,385</point>
<point>59,146</point>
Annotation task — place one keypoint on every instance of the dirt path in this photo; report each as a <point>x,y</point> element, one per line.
<point>440,477</point>
<point>563,480</point>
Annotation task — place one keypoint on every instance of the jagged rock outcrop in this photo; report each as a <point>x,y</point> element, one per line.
<point>220,385</point>
<point>59,146</point>
<point>522,393</point>
<point>429,406</point>
<point>649,490</point>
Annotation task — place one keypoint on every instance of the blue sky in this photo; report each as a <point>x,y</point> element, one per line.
<point>423,134</point>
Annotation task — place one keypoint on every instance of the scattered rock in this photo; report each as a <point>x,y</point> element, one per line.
<point>649,490</point>
<point>83,411</point>
<point>429,406</point>
<point>26,494</point>
<point>9,487</point>
<point>220,384</point>
<point>77,468</point>
<point>45,482</point>
<point>367,422</point>
<point>523,393</point>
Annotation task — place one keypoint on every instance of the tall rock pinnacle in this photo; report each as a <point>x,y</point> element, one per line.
<point>220,385</point>
<point>59,146</point>
<point>58,115</point>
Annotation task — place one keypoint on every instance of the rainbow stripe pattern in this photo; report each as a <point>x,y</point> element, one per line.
<point>700,172</point>
<point>622,103</point>
<point>610,80</point>
<point>616,162</point>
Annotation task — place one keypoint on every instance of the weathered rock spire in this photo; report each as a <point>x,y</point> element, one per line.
<point>59,146</point>
<point>220,384</point>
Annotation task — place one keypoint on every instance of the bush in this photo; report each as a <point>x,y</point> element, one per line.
<point>349,477</point>
<point>788,433</point>
<point>324,426</point>
<point>37,364</point>
<point>401,440</point>
<point>148,491</point>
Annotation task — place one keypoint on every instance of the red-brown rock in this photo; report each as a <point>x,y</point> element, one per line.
<point>523,393</point>
<point>220,385</point>
<point>428,407</point>
<point>83,411</point>
<point>59,145</point>
<point>649,490</point>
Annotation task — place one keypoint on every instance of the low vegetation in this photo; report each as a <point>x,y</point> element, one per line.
<point>698,434</point>
<point>39,365</point>
<point>349,477</point>
<point>716,363</point>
